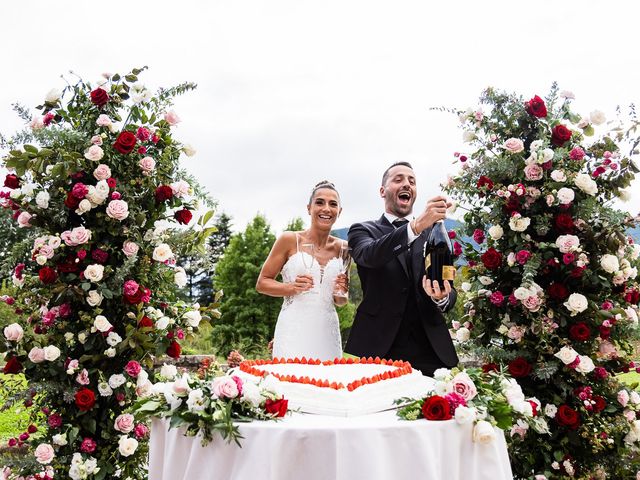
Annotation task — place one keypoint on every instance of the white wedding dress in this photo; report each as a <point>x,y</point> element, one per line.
<point>308,323</point>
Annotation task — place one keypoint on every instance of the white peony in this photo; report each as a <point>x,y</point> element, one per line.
<point>550,410</point>
<point>609,263</point>
<point>42,199</point>
<point>576,303</point>
<point>162,323</point>
<point>463,334</point>
<point>565,195</point>
<point>168,371</point>
<point>162,253</point>
<point>597,117</point>
<point>496,232</point>
<point>585,183</point>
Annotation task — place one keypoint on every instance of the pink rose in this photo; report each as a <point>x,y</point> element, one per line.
<point>514,145</point>
<point>102,172</point>
<point>79,190</point>
<point>44,453</point>
<point>83,377</point>
<point>180,188</point>
<point>147,165</point>
<point>532,303</point>
<point>171,117</point>
<point>141,431</point>
<point>497,298</point>
<point>130,287</point>
<point>623,398</point>
<point>36,355</point>
<point>103,121</point>
<point>75,237</point>
<point>523,256</point>
<point>464,386</point>
<point>96,140</point>
<point>94,153</point>
<point>225,387</point>
<point>47,251</point>
<point>132,368</point>
<point>130,248</point>
<point>630,415</point>
<point>23,219</point>
<point>13,332</point>
<point>124,423</point>
<point>118,209</point>
<point>533,171</point>
<point>88,445</point>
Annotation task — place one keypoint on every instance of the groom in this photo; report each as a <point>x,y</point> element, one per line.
<point>399,319</point>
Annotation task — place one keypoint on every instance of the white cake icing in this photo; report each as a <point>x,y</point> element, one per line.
<point>365,399</point>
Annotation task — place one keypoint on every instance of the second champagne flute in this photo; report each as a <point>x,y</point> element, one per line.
<point>308,260</point>
<point>345,263</point>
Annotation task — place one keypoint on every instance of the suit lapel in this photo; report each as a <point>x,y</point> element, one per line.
<point>402,257</point>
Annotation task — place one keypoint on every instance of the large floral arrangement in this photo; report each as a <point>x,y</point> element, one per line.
<point>550,283</point>
<point>212,402</point>
<point>97,181</point>
<point>487,399</point>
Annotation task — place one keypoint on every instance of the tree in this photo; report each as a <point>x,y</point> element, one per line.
<point>218,242</point>
<point>247,316</point>
<point>295,225</point>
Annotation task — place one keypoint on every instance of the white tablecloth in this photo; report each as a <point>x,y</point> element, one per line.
<point>314,447</point>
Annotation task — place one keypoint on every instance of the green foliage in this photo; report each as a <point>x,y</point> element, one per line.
<point>295,225</point>
<point>246,314</point>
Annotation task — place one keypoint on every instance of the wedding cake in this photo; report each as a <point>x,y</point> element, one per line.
<point>341,387</point>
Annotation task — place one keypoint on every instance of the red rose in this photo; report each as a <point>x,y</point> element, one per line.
<point>125,143</point>
<point>632,296</point>
<point>99,255</point>
<point>580,332</point>
<point>490,367</point>
<point>485,181</point>
<point>436,408</point>
<point>183,216</point>
<point>145,322</point>
<point>536,107</point>
<point>163,193</point>
<point>276,407</point>
<point>47,275</point>
<point>12,366</point>
<point>558,291</point>
<point>85,399</point>
<point>564,223</point>
<point>99,97</point>
<point>512,205</point>
<point>71,201</point>
<point>174,349</point>
<point>577,272</point>
<point>11,181</point>
<point>519,367</point>
<point>112,182</point>
<point>567,417</point>
<point>134,298</point>
<point>491,259</point>
<point>560,135</point>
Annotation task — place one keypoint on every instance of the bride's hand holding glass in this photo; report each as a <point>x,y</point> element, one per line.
<point>302,284</point>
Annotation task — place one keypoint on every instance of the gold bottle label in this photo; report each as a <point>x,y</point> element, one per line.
<point>448,272</point>
<point>427,262</point>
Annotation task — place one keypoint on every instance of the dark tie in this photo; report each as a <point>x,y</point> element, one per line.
<point>399,222</point>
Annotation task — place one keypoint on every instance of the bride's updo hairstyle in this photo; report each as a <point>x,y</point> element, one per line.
<point>320,185</point>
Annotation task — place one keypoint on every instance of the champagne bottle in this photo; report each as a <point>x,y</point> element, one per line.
<point>438,260</point>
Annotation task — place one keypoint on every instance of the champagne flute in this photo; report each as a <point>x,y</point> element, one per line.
<point>345,262</point>
<point>308,260</point>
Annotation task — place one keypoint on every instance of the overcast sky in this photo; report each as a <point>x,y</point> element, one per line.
<point>291,92</point>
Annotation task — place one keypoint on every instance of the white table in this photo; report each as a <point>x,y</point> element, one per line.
<point>314,447</point>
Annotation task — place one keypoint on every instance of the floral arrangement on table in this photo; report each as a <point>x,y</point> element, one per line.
<point>485,398</point>
<point>97,180</point>
<point>550,286</point>
<point>212,402</point>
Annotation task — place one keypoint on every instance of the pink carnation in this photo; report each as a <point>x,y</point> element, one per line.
<point>523,256</point>
<point>132,368</point>
<point>576,154</point>
<point>88,445</point>
<point>141,431</point>
<point>497,298</point>
<point>130,287</point>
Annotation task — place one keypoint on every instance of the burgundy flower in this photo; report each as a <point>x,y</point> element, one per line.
<point>71,201</point>
<point>600,373</point>
<point>490,367</point>
<point>48,118</point>
<point>12,181</point>
<point>112,182</point>
<point>54,420</point>
<point>519,367</point>
<point>580,332</point>
<point>485,181</point>
<point>276,407</point>
<point>558,291</point>
<point>491,259</point>
<point>478,235</point>
<point>600,403</point>
<point>99,255</point>
<point>512,205</point>
<point>145,322</point>
<point>12,366</point>
<point>564,223</point>
<point>457,249</point>
<point>577,272</point>
<point>632,296</point>
<point>523,256</point>
<point>125,143</point>
<point>567,417</point>
<point>143,134</point>
<point>47,275</point>
<point>163,193</point>
<point>132,368</point>
<point>497,298</point>
<point>183,216</point>
<point>79,190</point>
<point>536,107</point>
<point>174,349</point>
<point>85,399</point>
<point>452,235</point>
<point>88,445</point>
<point>560,135</point>
<point>598,171</point>
<point>134,298</point>
<point>576,153</point>
<point>99,97</point>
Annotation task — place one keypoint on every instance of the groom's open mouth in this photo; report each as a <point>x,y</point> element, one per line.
<point>404,198</point>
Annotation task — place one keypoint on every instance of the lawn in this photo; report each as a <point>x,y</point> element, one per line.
<point>13,421</point>
<point>630,379</point>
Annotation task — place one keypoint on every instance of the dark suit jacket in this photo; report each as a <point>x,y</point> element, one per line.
<point>381,252</point>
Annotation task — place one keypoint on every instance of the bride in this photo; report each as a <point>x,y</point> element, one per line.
<point>308,323</point>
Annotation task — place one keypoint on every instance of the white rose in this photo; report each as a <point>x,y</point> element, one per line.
<point>193,317</point>
<point>94,298</point>
<point>51,353</point>
<point>597,117</point>
<point>496,232</point>
<point>82,337</point>
<point>576,303</point>
<point>535,145</point>
<point>102,189</point>
<point>547,154</point>
<point>609,263</point>
<point>567,355</point>
<point>463,334</point>
<point>559,176</point>
<point>188,150</point>
<point>94,272</point>
<point>567,243</point>
<point>624,194</point>
<point>117,380</point>
<point>635,251</point>
<point>180,277</point>
<point>42,199</point>
<point>162,323</point>
<point>162,253</point>
<point>521,293</point>
<point>512,391</point>
<point>585,183</point>
<point>113,339</point>
<point>565,195</point>
<point>13,332</point>
<point>550,410</point>
<point>127,446</point>
<point>168,371</point>
<point>484,280</point>
<point>518,223</point>
<point>101,324</point>
<point>36,355</point>
<point>53,96</point>
<point>632,316</point>
<point>60,439</point>
<point>586,365</point>
<point>514,145</point>
<point>465,415</point>
<point>110,352</point>
<point>94,153</point>
<point>483,432</point>
<point>84,206</point>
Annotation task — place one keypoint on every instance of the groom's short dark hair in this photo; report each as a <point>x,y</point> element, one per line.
<point>385,175</point>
